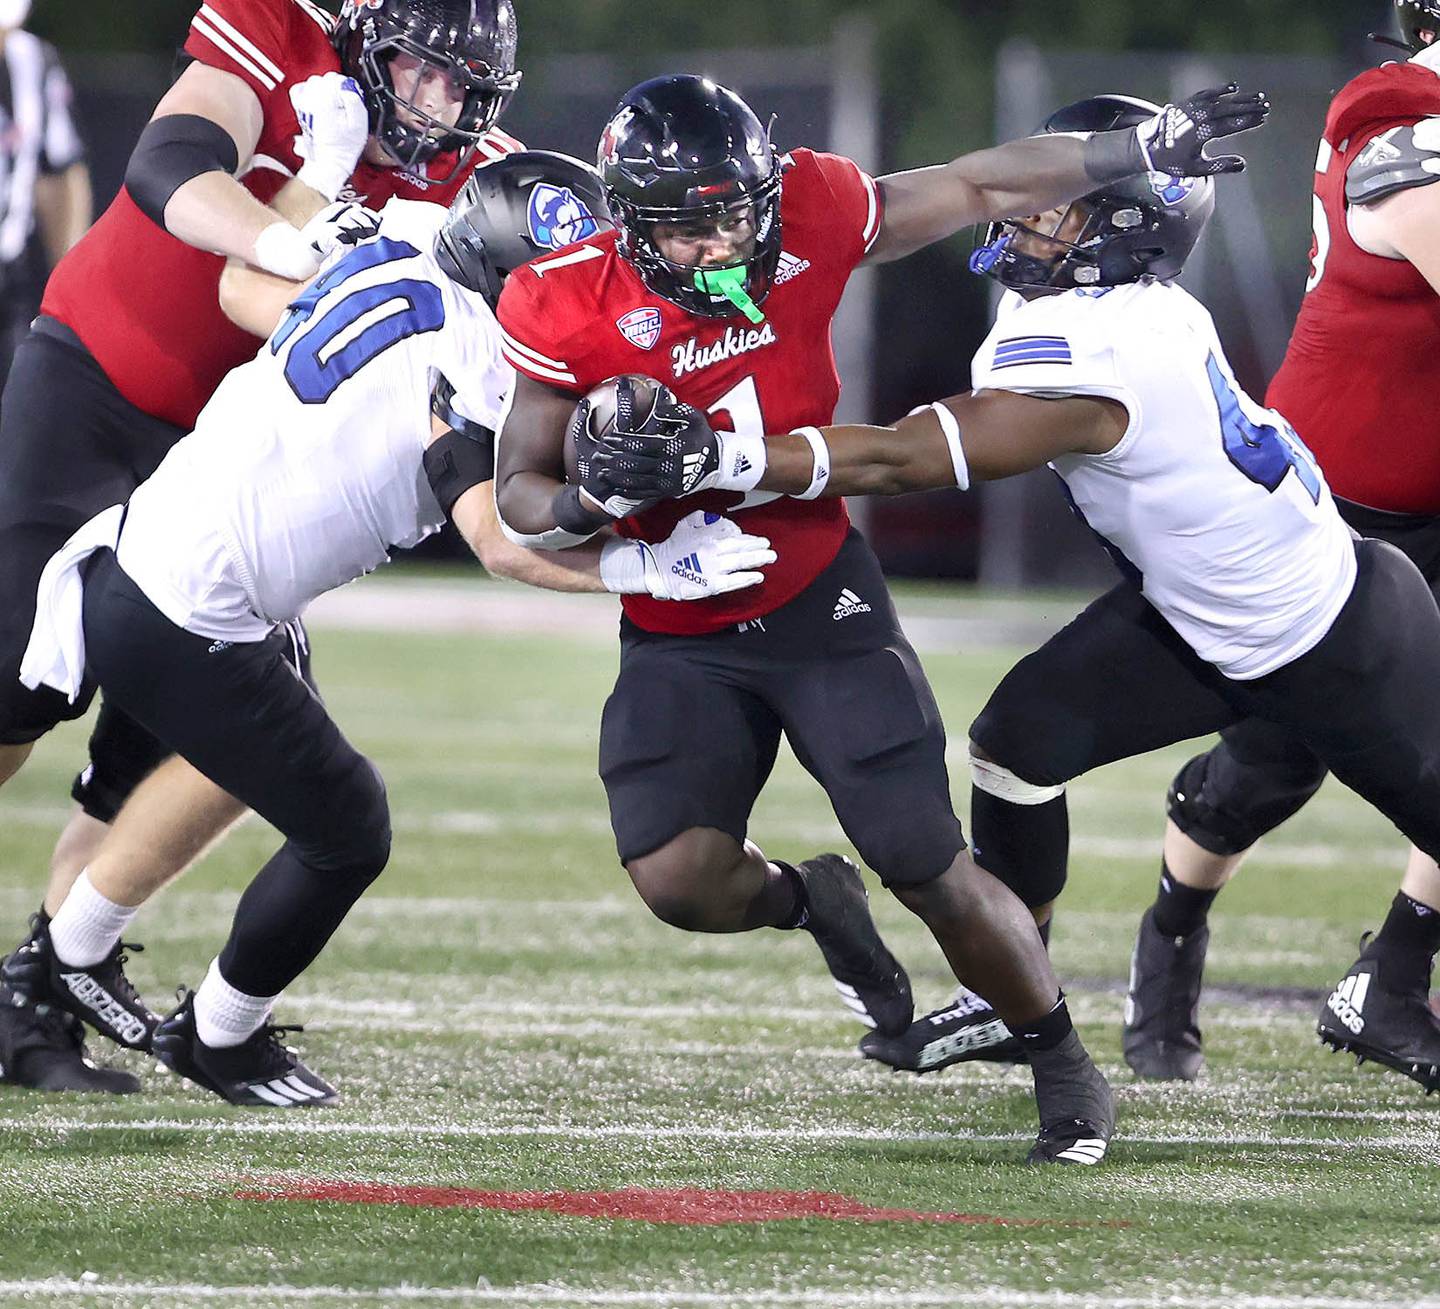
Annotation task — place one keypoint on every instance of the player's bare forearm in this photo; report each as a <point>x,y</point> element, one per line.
<point>1010,181</point>
<point>530,456</point>
<point>297,203</point>
<point>214,212</point>
<point>575,571</point>
<point>913,455</point>
<point>253,299</point>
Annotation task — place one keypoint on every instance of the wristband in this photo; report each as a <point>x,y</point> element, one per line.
<point>572,516</point>
<point>742,461</point>
<point>328,180</point>
<point>282,250</point>
<point>950,425</point>
<point>820,475</point>
<point>1109,156</point>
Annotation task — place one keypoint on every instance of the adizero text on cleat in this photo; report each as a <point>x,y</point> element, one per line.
<point>868,977</point>
<point>1397,1029</point>
<point>965,1029</point>
<point>1161,1037</point>
<point>43,1048</point>
<point>98,994</point>
<point>260,1072</point>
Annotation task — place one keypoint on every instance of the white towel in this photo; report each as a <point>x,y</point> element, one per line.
<point>56,653</point>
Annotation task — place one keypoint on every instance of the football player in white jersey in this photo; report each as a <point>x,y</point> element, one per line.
<point>1245,593</point>
<point>306,467</point>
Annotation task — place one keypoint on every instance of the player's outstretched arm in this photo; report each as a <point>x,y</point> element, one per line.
<point>1034,175</point>
<point>981,436</point>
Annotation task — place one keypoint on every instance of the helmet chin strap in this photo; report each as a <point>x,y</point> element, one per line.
<point>729,284</point>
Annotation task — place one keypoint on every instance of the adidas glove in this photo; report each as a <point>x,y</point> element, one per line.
<point>334,125</point>
<point>1174,140</point>
<point>687,457</point>
<point>705,556</point>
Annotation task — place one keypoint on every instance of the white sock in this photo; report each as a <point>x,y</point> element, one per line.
<point>88,925</point>
<point>225,1016</point>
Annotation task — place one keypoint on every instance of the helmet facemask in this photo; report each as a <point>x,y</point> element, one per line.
<point>1030,258</point>
<point>708,290</point>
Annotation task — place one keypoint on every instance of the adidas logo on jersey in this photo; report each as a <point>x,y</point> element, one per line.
<point>1347,1002</point>
<point>790,266</point>
<point>689,568</point>
<point>848,605</point>
<point>691,358</point>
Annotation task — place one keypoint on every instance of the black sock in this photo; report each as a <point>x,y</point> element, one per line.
<point>1408,940</point>
<point>1180,909</point>
<point>1047,1032</point>
<point>800,914</point>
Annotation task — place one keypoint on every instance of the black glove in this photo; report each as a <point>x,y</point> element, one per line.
<point>1174,140</point>
<point>673,453</point>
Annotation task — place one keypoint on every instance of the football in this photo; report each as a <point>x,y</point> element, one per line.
<point>627,401</point>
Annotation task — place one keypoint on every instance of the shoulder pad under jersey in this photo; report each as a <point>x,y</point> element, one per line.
<point>1391,162</point>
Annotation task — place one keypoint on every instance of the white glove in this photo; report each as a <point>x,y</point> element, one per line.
<point>704,556</point>
<point>345,223</point>
<point>334,125</point>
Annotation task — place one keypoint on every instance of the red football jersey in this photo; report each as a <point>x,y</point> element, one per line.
<point>573,319</point>
<point>144,303</point>
<point>1352,381</point>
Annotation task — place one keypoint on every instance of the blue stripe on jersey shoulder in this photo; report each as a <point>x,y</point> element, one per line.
<point>1017,350</point>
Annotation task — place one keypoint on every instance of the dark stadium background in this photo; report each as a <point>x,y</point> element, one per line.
<point>936,62</point>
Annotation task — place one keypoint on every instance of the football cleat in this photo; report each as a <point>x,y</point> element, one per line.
<point>1397,1029</point>
<point>965,1029</point>
<point>43,1048</point>
<point>1161,1037</point>
<point>1077,1107</point>
<point>98,994</point>
<point>870,980</point>
<point>260,1072</point>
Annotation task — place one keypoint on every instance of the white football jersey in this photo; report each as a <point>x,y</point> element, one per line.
<point>305,468</point>
<point>1210,501</point>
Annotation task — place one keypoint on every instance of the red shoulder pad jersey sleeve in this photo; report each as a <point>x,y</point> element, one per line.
<point>856,206</point>
<point>543,320</point>
<point>1383,98</point>
<point>246,37</point>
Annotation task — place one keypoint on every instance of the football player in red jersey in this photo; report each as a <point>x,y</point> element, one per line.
<point>280,110</point>
<point>1349,386</point>
<point>722,282</point>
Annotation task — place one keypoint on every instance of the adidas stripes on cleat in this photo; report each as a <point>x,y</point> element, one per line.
<point>965,1029</point>
<point>99,994</point>
<point>1161,1037</point>
<point>1077,1107</point>
<point>869,978</point>
<point>260,1072</point>
<point>1397,1029</point>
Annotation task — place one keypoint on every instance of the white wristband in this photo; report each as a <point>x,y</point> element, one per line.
<point>623,566</point>
<point>329,181</point>
<point>950,425</point>
<point>742,461</point>
<point>820,475</point>
<point>282,250</point>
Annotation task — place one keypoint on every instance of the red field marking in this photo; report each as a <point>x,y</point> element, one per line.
<point>685,1205</point>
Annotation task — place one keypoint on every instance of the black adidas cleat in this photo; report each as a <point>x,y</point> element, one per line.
<point>1397,1029</point>
<point>869,978</point>
<point>98,994</point>
<point>965,1029</point>
<point>43,1048</point>
<point>1161,1037</point>
<point>260,1072</point>
<point>1077,1107</point>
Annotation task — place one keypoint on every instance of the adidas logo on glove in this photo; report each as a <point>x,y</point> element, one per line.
<point>689,568</point>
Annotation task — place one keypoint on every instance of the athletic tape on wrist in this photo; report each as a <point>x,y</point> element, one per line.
<point>622,566</point>
<point>820,474</point>
<point>282,250</point>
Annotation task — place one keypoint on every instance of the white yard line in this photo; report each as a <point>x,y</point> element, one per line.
<point>550,1294</point>
<point>307,1125</point>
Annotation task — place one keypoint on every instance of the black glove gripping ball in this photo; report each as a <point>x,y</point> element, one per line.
<point>628,411</point>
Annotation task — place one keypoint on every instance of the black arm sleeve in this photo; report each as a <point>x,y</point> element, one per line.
<point>171,151</point>
<point>458,461</point>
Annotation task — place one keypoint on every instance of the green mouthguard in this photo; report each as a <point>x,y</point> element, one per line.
<point>730,283</point>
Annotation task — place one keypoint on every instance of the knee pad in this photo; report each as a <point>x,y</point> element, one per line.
<point>1225,804</point>
<point>1021,831</point>
<point>122,755</point>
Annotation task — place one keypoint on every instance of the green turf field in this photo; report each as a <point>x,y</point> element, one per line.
<point>503,1015</point>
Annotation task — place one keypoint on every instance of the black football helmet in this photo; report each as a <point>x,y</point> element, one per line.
<point>682,149</point>
<point>1419,22</point>
<point>1142,226</point>
<point>512,211</point>
<point>472,41</point>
